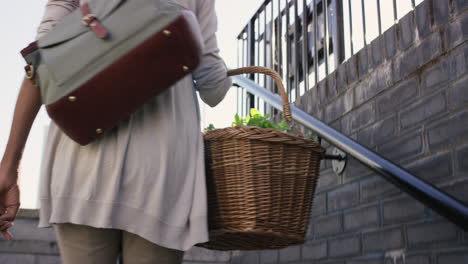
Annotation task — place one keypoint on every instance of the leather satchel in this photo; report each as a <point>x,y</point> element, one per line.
<point>107,58</point>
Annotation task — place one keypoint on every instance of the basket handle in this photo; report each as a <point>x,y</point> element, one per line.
<point>276,77</point>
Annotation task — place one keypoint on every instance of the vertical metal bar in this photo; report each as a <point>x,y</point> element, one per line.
<point>280,39</point>
<point>259,52</point>
<point>305,44</point>
<point>351,27</point>
<point>379,17</point>
<point>288,52</point>
<point>244,61</point>
<point>339,41</point>
<point>325,34</point>
<point>251,59</point>
<point>413,4</point>
<point>364,22</point>
<point>265,51</point>
<point>316,59</point>
<point>395,12</point>
<point>238,66</point>
<point>272,57</point>
<point>296,50</point>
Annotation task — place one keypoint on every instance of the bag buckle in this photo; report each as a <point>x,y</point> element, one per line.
<point>89,19</point>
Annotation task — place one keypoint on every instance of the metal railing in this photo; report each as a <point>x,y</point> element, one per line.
<point>434,198</point>
<point>305,40</point>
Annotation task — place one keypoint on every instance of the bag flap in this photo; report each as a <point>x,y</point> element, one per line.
<point>72,26</point>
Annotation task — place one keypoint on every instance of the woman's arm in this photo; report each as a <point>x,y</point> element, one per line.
<point>27,106</point>
<point>211,77</point>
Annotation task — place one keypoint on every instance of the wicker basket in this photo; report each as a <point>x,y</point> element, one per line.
<point>260,184</point>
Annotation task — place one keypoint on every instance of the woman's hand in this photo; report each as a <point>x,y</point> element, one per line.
<point>9,200</point>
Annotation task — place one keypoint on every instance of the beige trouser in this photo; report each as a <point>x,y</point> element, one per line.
<point>82,244</point>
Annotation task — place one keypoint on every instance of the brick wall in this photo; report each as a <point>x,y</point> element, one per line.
<point>405,96</point>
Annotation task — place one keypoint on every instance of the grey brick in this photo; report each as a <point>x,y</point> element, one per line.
<point>344,246</point>
<point>426,233</point>
<point>376,186</point>
<point>441,11</point>
<point>244,257</point>
<point>371,260</point>
<point>26,229</point>
<point>438,166</point>
<point>456,32</point>
<point>406,26</point>
<point>449,131</point>
<point>458,190</point>
<point>319,205</point>
<point>354,169</point>
<point>17,259</point>
<point>383,240</point>
<point>459,94</point>
<point>462,158</point>
<point>202,254</point>
<point>311,101</point>
<point>429,49</point>
<point>292,253</point>
<point>44,259</point>
<point>403,147</point>
<point>417,260</point>
<point>269,256</point>
<point>314,250</point>
<point>377,81</point>
<point>328,225</point>
<point>384,76</point>
<point>363,62</point>
<point>401,210</point>
<point>453,258</point>
<point>322,92</point>
<point>32,214</point>
<point>362,218</point>
<point>423,18</point>
<point>427,109</point>
<point>343,197</point>
<point>390,41</point>
<point>29,247</point>
<point>405,64</point>
<point>400,95</point>
<point>331,85</point>
<point>328,179</point>
<point>339,107</point>
<point>341,78</point>
<point>458,62</point>
<point>378,132</point>
<point>352,70</point>
<point>460,5</point>
<point>435,77</point>
<point>358,118</point>
<point>377,52</point>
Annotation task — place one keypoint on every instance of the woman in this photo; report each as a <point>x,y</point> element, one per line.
<point>142,186</point>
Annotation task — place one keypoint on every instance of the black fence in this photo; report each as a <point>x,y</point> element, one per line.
<point>305,40</point>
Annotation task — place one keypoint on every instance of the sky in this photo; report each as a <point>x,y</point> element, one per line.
<point>21,18</point>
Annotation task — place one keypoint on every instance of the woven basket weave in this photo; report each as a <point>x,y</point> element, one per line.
<point>260,184</point>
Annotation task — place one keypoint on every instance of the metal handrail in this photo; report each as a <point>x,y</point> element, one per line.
<point>436,199</point>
